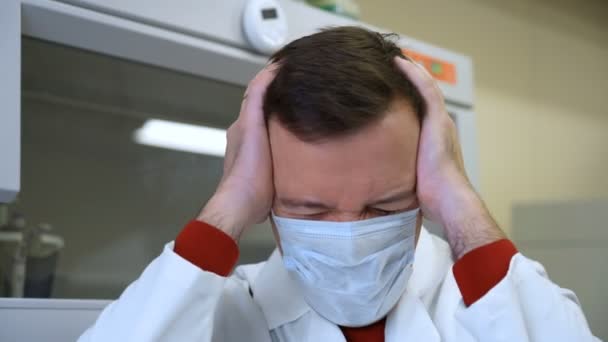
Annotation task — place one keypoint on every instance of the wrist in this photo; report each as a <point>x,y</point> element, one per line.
<point>219,215</point>
<point>457,203</point>
<point>467,222</point>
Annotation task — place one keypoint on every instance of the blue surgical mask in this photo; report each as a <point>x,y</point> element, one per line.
<point>351,273</point>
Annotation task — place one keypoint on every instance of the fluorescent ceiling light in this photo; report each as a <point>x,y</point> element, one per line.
<point>182,137</point>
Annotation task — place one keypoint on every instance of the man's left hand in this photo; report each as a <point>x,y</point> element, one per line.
<point>443,189</point>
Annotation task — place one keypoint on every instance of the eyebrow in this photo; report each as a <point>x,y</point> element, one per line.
<point>399,196</point>
<point>303,203</point>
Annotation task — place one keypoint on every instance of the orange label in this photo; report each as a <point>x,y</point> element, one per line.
<point>441,70</point>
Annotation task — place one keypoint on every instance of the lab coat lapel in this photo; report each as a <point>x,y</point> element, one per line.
<point>410,318</point>
<point>281,302</point>
<point>323,330</point>
<point>277,294</point>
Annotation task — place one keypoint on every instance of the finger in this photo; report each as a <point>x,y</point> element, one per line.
<point>253,100</point>
<point>424,82</point>
<point>425,78</point>
<point>231,139</point>
<point>439,92</point>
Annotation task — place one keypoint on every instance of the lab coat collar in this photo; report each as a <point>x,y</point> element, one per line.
<point>277,294</point>
<point>431,262</point>
<point>411,316</point>
<point>281,301</point>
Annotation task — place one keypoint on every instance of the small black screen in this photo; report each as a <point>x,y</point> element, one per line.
<point>269,13</point>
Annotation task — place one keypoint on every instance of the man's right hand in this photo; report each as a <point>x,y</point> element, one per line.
<point>244,195</point>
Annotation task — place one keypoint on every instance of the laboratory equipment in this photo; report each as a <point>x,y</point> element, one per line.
<point>265,25</point>
<point>28,257</point>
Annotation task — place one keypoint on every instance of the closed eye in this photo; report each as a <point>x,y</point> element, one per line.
<point>384,212</point>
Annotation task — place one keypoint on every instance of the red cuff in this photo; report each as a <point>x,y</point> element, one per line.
<point>478,271</point>
<point>207,247</point>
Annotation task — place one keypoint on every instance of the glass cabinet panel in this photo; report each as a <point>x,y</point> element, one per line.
<point>113,201</point>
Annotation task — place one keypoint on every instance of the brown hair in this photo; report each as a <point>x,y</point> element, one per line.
<point>336,81</point>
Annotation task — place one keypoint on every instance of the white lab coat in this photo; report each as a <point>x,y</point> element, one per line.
<point>174,300</point>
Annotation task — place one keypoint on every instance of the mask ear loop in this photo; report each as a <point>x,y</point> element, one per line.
<point>275,231</point>
<point>418,229</point>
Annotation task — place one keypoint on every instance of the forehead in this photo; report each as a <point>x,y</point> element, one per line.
<point>375,160</point>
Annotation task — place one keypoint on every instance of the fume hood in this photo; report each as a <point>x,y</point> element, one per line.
<point>86,83</point>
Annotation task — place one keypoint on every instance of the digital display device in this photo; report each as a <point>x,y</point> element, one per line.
<point>269,13</point>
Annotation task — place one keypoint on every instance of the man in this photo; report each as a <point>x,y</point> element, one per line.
<point>345,144</point>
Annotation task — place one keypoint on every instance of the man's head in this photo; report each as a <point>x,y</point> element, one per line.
<point>344,124</point>
<point>335,82</point>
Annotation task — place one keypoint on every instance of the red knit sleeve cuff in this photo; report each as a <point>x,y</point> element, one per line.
<point>478,271</point>
<point>207,247</point>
